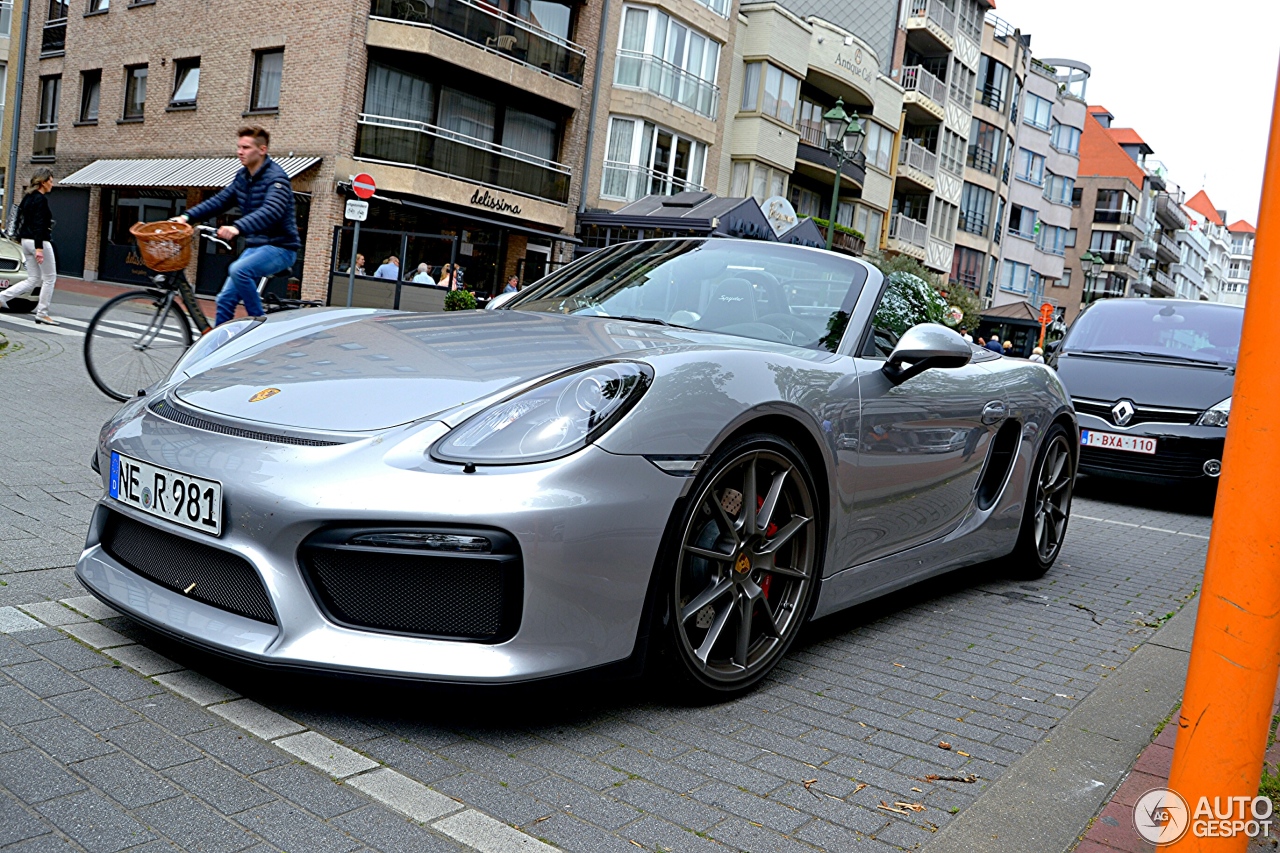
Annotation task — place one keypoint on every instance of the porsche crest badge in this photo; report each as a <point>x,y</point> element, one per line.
<point>264,394</point>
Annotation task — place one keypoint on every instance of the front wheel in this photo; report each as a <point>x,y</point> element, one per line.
<point>742,568</point>
<point>133,342</point>
<point>1044,523</point>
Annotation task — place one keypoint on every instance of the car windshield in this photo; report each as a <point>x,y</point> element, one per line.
<point>1182,331</point>
<point>767,291</point>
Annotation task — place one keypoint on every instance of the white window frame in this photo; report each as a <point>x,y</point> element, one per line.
<point>1028,157</point>
<point>660,46</point>
<point>641,160</point>
<point>1035,105</point>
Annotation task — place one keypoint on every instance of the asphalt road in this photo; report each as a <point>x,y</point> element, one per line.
<point>850,721</point>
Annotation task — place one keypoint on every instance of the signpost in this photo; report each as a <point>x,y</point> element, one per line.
<point>1046,317</point>
<point>357,211</point>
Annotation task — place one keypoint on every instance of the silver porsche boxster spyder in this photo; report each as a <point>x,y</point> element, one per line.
<point>673,451</point>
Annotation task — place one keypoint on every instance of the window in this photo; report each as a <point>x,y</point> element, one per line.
<point>878,146</point>
<point>135,92</point>
<point>984,145</point>
<point>870,222</point>
<point>1065,281</point>
<point>962,83</point>
<point>951,152</point>
<point>1022,221</point>
<point>90,91</point>
<point>1065,138</point>
<point>99,6</point>
<point>4,83</point>
<point>268,70</point>
<point>46,135</point>
<point>738,181</point>
<point>645,159</point>
<point>6,18</point>
<point>1008,160</point>
<point>1052,239</point>
<point>1015,277</point>
<point>779,96</point>
<point>57,11</point>
<point>993,83</point>
<point>942,223</point>
<point>720,7</point>
<point>1031,167</point>
<point>966,267</point>
<point>1058,188</point>
<point>975,208</point>
<point>661,55</point>
<point>1077,195</point>
<point>1037,110</point>
<point>766,182</point>
<point>1071,238</point>
<point>186,82</point>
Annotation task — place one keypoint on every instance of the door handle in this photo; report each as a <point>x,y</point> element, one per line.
<point>993,413</point>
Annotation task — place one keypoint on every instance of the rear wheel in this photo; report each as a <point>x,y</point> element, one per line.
<point>134,341</point>
<point>1044,523</point>
<point>743,567</point>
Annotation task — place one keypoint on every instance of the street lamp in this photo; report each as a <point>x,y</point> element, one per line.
<point>844,135</point>
<point>1091,265</point>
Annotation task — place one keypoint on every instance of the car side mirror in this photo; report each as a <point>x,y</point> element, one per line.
<point>923,347</point>
<point>1053,346</point>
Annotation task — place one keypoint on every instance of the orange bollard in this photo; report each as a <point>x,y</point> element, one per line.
<point>1235,656</point>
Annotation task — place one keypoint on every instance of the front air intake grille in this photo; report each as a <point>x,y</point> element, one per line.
<point>213,576</point>
<point>1174,459</point>
<point>424,592</point>
<point>9,265</point>
<point>170,412</point>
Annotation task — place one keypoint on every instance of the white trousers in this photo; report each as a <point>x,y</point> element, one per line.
<point>45,275</point>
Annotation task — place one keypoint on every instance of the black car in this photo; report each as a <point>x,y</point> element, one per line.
<point>1151,381</point>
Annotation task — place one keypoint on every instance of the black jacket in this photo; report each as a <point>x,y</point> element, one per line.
<point>34,218</point>
<point>266,207</point>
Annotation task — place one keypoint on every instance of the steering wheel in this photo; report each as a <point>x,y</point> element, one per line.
<point>795,330</point>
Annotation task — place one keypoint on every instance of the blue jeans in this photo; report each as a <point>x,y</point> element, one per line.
<point>244,275</point>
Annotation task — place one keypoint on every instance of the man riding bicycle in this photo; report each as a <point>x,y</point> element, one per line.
<point>264,195</point>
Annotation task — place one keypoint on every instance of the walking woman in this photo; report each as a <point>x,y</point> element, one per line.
<point>34,223</point>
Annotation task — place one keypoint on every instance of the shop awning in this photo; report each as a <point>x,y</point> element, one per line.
<point>207,172</point>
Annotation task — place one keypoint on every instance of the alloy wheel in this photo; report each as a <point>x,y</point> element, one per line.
<point>746,567</point>
<point>1053,498</point>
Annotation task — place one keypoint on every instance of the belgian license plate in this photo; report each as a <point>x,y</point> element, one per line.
<point>1115,441</point>
<point>181,498</point>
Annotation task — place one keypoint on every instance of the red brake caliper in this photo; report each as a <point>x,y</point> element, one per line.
<point>768,533</point>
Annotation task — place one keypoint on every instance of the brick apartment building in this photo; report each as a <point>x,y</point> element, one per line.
<point>471,116</point>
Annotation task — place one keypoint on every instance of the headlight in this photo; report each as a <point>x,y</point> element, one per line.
<point>1216,416</point>
<point>220,336</point>
<point>554,419</point>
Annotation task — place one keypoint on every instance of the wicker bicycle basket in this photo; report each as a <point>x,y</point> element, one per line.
<point>164,246</point>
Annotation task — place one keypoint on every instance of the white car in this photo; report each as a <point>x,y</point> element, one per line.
<point>13,271</point>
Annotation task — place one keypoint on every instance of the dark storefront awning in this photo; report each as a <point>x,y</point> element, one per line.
<point>206,172</point>
<point>697,212</point>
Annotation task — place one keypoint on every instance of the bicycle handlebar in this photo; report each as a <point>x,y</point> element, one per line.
<point>210,233</point>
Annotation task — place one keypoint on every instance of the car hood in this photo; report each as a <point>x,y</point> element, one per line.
<point>375,371</point>
<point>1146,383</point>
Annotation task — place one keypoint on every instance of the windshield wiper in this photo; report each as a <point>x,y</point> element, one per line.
<point>657,321</point>
<point>1151,355</point>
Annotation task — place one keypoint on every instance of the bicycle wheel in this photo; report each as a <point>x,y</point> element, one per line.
<point>133,341</point>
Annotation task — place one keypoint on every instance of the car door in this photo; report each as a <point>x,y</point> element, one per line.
<point>921,447</point>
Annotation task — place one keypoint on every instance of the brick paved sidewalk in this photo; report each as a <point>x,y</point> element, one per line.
<point>1112,830</point>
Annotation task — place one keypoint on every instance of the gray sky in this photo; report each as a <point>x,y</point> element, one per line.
<point>1196,80</point>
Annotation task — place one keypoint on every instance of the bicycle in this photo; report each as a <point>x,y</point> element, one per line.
<point>136,338</point>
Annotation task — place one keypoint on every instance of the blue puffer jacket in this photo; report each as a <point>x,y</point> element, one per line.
<point>266,207</point>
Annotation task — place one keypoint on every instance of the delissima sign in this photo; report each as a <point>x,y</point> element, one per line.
<point>483,198</point>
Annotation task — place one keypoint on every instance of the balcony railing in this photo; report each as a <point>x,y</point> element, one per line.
<point>45,142</point>
<point>54,39</point>
<point>1162,278</point>
<point>991,96</point>
<point>1190,273</point>
<point>636,70</point>
<point>1245,250</point>
<point>915,78</point>
<point>493,30</point>
<point>906,229</point>
<point>973,222</point>
<point>1170,213</point>
<point>941,15</point>
<point>1147,248</point>
<point>446,152</point>
<point>628,182</point>
<point>811,134</point>
<point>981,159</point>
<point>1112,257</point>
<point>1115,217</point>
<point>918,157</point>
<point>1168,244</point>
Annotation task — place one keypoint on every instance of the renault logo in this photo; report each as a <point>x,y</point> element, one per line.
<point>264,394</point>
<point>1122,413</point>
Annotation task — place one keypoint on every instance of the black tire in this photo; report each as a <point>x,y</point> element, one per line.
<point>1048,509</point>
<point>21,306</point>
<point>776,604</point>
<point>127,348</point>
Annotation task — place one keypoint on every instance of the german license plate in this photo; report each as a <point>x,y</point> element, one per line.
<point>1115,441</point>
<point>181,498</point>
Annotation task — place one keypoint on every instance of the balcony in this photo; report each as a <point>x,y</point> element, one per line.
<point>813,150</point>
<point>904,229</point>
<point>492,30</point>
<point>918,164</point>
<point>636,70</point>
<point>1147,248</point>
<point>45,141</point>
<point>53,41</point>
<point>1190,273</point>
<point>1170,214</point>
<point>925,91</point>
<point>1161,283</point>
<point>628,182</point>
<point>973,222</point>
<point>933,18</point>
<point>991,96</point>
<point>1167,249</point>
<point>981,159</point>
<point>400,142</point>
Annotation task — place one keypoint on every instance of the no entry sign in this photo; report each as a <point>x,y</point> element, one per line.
<point>363,186</point>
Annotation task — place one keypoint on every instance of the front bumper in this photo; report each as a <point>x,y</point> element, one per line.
<point>588,529</point>
<point>1184,453</point>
